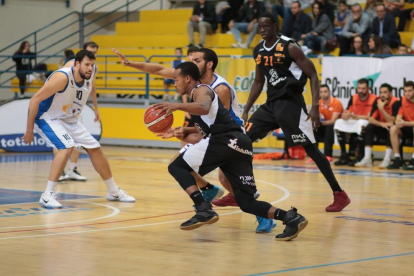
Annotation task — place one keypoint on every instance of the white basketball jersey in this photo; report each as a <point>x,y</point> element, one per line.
<point>234,104</point>
<point>68,103</point>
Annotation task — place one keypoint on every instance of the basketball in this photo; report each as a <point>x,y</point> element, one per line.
<point>157,120</point>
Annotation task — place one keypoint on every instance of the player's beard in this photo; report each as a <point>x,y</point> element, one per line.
<point>203,71</point>
<point>83,76</point>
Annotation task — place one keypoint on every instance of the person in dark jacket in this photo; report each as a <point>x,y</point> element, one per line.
<point>229,11</point>
<point>203,21</point>
<point>384,26</point>
<point>299,23</point>
<point>23,58</point>
<point>327,9</point>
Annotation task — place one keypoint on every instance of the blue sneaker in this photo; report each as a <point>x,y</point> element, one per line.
<point>216,192</point>
<point>265,225</point>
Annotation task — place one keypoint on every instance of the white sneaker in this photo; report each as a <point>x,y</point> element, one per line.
<point>119,196</point>
<point>365,162</point>
<point>384,164</point>
<point>235,45</point>
<point>243,45</point>
<point>48,200</point>
<point>75,175</point>
<point>63,176</point>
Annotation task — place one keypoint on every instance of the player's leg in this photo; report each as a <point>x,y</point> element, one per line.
<point>395,134</point>
<point>408,133</point>
<point>63,176</point>
<point>73,172</point>
<point>369,133</point>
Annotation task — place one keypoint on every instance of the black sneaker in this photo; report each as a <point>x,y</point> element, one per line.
<point>295,223</point>
<point>409,166</point>
<point>397,164</point>
<point>204,215</point>
<point>343,160</point>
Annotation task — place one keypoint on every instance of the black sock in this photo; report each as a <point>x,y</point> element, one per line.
<point>323,164</point>
<point>208,187</point>
<point>280,214</point>
<point>342,142</point>
<point>197,198</point>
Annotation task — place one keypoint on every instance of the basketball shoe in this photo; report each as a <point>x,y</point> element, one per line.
<point>216,192</point>
<point>48,200</point>
<point>75,175</point>
<point>120,195</point>
<point>409,166</point>
<point>63,176</point>
<point>265,225</point>
<point>295,223</point>
<point>397,164</point>
<point>204,215</point>
<point>341,200</point>
<point>227,200</point>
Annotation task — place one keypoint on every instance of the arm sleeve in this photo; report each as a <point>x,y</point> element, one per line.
<point>365,22</point>
<point>211,14</point>
<point>323,24</point>
<point>345,30</point>
<point>338,108</point>
<point>395,108</point>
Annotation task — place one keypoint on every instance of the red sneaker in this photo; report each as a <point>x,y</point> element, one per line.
<point>227,200</point>
<point>341,200</point>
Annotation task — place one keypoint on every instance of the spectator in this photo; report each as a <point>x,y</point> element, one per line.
<point>357,47</point>
<point>370,9</point>
<point>227,11</point>
<point>381,119</point>
<point>67,55</point>
<point>384,26</point>
<point>394,6</point>
<point>246,22</point>
<point>322,30</point>
<point>285,11</point>
<point>404,127</point>
<point>352,121</point>
<point>167,82</point>
<point>404,15</point>
<point>299,23</point>
<point>327,9</point>
<point>203,21</point>
<point>358,23</point>
<point>377,47</point>
<point>402,49</point>
<point>23,58</point>
<point>330,109</point>
<point>341,17</point>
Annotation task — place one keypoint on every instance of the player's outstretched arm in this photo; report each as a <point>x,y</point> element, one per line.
<point>57,82</point>
<point>151,68</point>
<point>257,88</point>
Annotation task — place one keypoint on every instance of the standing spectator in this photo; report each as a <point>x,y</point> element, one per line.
<point>394,6</point>
<point>246,22</point>
<point>299,23</point>
<point>341,17</point>
<point>330,109</point>
<point>404,127</point>
<point>227,11</point>
<point>404,15</point>
<point>353,120</point>
<point>327,9</point>
<point>203,21</point>
<point>370,9</point>
<point>358,23</point>
<point>322,30</point>
<point>381,119</point>
<point>402,49</point>
<point>23,58</point>
<point>167,82</point>
<point>285,11</point>
<point>384,26</point>
<point>357,46</point>
<point>377,47</point>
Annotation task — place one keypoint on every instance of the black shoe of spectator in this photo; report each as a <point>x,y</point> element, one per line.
<point>397,164</point>
<point>200,45</point>
<point>191,45</point>
<point>343,160</point>
<point>409,166</point>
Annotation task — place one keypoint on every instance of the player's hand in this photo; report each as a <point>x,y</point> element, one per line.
<point>97,116</point>
<point>381,104</point>
<point>167,107</point>
<point>187,115</point>
<point>400,123</point>
<point>28,137</point>
<point>180,132</point>
<point>315,117</point>
<point>245,116</point>
<point>124,60</point>
<point>387,125</point>
<point>345,115</point>
<point>167,135</point>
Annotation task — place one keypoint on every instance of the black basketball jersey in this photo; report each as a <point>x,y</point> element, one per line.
<point>282,73</point>
<point>217,121</point>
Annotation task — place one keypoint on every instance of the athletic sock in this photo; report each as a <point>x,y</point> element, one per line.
<point>388,153</point>
<point>111,186</point>
<point>207,187</point>
<point>342,142</point>
<point>368,152</point>
<point>197,198</point>
<point>280,214</point>
<point>50,187</point>
<point>412,156</point>
<point>397,155</point>
<point>72,166</point>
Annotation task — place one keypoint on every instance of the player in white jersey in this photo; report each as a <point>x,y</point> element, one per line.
<point>54,112</point>
<point>206,61</point>
<point>72,172</point>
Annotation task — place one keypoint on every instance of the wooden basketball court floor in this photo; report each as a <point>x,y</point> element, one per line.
<point>374,235</point>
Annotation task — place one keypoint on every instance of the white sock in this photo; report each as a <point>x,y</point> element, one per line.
<point>72,166</point>
<point>50,187</point>
<point>397,155</point>
<point>412,156</point>
<point>368,151</point>
<point>111,186</point>
<point>388,153</point>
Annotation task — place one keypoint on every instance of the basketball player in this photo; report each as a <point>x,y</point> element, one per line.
<point>286,68</point>
<point>73,173</point>
<point>206,61</point>
<point>54,112</point>
<point>217,141</point>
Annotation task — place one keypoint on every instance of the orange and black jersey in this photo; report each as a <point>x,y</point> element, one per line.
<point>391,108</point>
<point>358,107</point>
<point>406,110</point>
<point>282,73</point>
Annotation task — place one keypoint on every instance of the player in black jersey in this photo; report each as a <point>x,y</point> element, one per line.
<point>281,60</point>
<point>217,142</point>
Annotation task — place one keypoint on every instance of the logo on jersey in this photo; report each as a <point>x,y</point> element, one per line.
<point>279,47</point>
<point>274,80</point>
<point>258,59</point>
<point>279,58</point>
<point>233,144</point>
<point>298,138</point>
<point>201,130</point>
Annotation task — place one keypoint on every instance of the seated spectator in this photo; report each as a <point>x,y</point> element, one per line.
<point>67,55</point>
<point>328,9</point>
<point>246,22</point>
<point>376,46</point>
<point>358,23</point>
<point>404,15</point>
<point>394,6</point>
<point>203,21</point>
<point>402,49</point>
<point>357,46</point>
<point>322,30</point>
<point>381,119</point>
<point>227,11</point>
<point>330,109</point>
<point>352,121</point>
<point>167,82</point>
<point>370,9</point>
<point>341,17</point>
<point>285,11</point>
<point>384,26</point>
<point>299,23</point>
<point>404,127</point>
